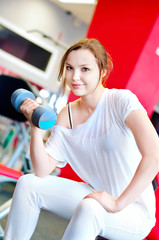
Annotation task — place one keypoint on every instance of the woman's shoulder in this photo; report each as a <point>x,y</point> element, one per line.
<point>63,118</point>
<point>117,95</point>
<point>119,92</point>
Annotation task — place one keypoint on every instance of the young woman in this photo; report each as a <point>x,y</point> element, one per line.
<point>109,141</point>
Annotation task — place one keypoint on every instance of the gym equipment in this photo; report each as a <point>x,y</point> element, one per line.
<point>9,175</point>
<point>15,127</point>
<point>42,117</point>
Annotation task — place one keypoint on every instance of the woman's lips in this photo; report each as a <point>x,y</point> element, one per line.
<point>76,86</point>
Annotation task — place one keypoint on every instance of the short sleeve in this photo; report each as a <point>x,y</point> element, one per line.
<point>55,148</point>
<point>128,102</point>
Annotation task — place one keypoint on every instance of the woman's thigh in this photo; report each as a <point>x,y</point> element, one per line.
<point>59,195</point>
<point>130,223</point>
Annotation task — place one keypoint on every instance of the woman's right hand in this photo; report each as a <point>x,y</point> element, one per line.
<point>27,108</point>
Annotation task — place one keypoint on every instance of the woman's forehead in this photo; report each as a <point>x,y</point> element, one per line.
<point>83,55</point>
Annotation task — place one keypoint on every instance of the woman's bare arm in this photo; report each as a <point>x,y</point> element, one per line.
<point>43,164</point>
<point>148,143</point>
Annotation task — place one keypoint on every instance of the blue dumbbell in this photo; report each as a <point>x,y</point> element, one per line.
<point>42,117</point>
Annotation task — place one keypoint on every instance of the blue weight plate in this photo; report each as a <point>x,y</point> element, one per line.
<point>44,117</point>
<point>19,96</point>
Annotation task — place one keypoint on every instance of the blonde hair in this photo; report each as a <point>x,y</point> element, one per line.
<point>103,59</point>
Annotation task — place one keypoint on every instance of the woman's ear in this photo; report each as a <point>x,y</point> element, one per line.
<point>103,73</point>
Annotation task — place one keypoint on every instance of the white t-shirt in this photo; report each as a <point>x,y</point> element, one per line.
<point>103,151</point>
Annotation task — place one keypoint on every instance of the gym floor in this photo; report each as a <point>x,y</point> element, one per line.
<point>49,227</point>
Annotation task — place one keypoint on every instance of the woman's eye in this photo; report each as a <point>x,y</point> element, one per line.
<point>68,67</point>
<point>85,69</point>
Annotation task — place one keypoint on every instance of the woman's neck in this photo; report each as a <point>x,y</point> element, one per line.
<point>84,107</point>
<point>90,101</point>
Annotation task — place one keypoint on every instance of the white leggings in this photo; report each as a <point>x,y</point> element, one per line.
<point>65,198</point>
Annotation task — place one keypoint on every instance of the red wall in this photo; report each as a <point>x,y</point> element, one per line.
<point>123,27</point>
<point>144,80</point>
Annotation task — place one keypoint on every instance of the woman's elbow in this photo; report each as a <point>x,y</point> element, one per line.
<point>155,161</point>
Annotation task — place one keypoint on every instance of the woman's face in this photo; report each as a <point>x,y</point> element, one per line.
<point>82,72</point>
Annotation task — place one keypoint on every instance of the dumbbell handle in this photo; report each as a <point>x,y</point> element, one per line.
<point>42,117</point>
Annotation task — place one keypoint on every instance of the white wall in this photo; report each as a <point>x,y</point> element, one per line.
<point>46,17</point>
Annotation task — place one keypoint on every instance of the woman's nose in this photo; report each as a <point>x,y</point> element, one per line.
<point>76,75</point>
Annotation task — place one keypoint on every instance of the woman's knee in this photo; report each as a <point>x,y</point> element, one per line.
<point>90,207</point>
<point>27,189</point>
<point>27,182</point>
<point>88,215</point>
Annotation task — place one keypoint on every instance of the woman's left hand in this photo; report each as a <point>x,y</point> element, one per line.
<point>106,200</point>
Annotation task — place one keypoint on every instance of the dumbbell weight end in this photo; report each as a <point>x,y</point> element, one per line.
<point>44,117</point>
<point>19,96</point>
